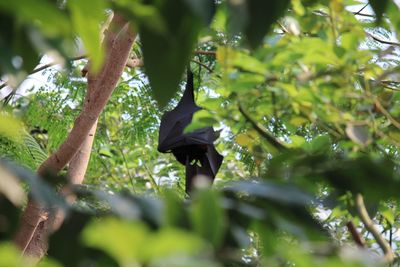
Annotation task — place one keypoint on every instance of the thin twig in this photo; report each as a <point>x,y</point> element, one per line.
<point>262,131</point>
<point>355,234</point>
<point>359,11</point>
<point>201,52</point>
<point>387,86</point>
<point>364,15</point>
<point>387,114</point>
<point>368,34</point>
<point>152,179</point>
<point>283,28</point>
<point>38,69</point>
<point>370,226</point>
<point>54,63</point>
<point>382,40</point>
<point>127,167</point>
<point>203,65</point>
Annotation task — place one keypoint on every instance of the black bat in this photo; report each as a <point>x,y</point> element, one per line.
<point>195,150</point>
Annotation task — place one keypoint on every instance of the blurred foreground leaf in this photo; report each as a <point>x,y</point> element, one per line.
<point>10,127</point>
<point>167,53</point>
<point>132,242</point>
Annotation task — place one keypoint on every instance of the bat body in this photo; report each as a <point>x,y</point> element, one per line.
<point>195,150</point>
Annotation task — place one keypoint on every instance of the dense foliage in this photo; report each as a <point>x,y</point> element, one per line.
<point>305,93</point>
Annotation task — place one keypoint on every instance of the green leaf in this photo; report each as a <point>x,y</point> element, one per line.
<point>285,206</point>
<point>142,14</point>
<point>297,141</point>
<point>121,239</point>
<point>376,179</point>
<point>9,255</point>
<point>320,144</point>
<point>24,47</point>
<point>379,7</point>
<point>11,187</point>
<point>393,14</point>
<point>168,242</point>
<point>46,262</point>
<point>204,207</point>
<point>174,214</point>
<point>40,190</point>
<point>63,244</point>
<point>261,15</point>
<point>87,17</point>
<point>34,149</point>
<point>205,9</point>
<point>358,133</point>
<point>285,194</point>
<point>201,119</point>
<point>30,29</point>
<point>46,15</point>
<point>132,242</point>
<point>10,127</point>
<point>166,54</point>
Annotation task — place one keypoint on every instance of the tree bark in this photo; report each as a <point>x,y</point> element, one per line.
<point>76,174</point>
<point>34,225</point>
<point>78,165</point>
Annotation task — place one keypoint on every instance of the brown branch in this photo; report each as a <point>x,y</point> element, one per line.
<point>76,174</point>
<point>95,103</point>
<point>370,226</point>
<point>262,131</point>
<point>203,65</point>
<point>355,234</point>
<point>202,52</point>
<point>118,44</point>
<point>387,114</point>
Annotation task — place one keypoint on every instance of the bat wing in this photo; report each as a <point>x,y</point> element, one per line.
<point>174,122</point>
<point>186,147</point>
<point>214,159</point>
<point>210,163</point>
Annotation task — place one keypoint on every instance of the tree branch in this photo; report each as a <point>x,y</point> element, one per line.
<point>118,43</point>
<point>355,234</point>
<point>387,114</point>
<point>38,69</point>
<point>370,226</point>
<point>261,130</point>
<point>201,52</point>
<point>364,15</point>
<point>359,11</point>
<point>131,63</point>
<point>382,40</point>
<point>203,65</point>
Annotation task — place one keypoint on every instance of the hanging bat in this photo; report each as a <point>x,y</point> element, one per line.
<point>195,150</point>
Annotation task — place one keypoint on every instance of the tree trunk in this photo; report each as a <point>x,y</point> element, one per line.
<point>34,226</point>
<point>76,174</point>
<point>78,165</point>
